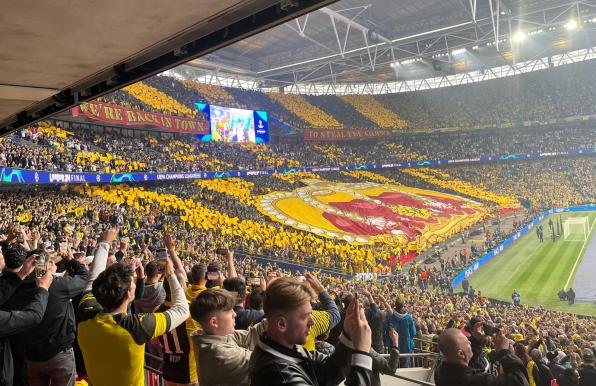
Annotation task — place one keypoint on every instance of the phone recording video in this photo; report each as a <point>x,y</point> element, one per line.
<point>161,254</point>
<point>41,265</point>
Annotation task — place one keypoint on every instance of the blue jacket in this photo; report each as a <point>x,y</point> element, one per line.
<point>403,324</point>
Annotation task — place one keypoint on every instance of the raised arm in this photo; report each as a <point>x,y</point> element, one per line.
<point>170,245</point>
<point>231,266</point>
<point>100,257</point>
<point>178,312</point>
<point>13,322</point>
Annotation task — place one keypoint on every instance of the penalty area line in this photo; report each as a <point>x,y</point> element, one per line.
<point>580,252</point>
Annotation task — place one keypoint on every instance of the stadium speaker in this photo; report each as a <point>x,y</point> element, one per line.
<point>437,65</point>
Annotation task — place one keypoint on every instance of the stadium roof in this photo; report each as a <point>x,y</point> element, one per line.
<point>388,40</point>
<point>58,53</point>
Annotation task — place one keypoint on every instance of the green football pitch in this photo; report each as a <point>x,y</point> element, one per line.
<point>538,270</point>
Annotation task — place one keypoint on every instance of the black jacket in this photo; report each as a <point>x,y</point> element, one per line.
<point>374,316</point>
<point>587,375</point>
<point>479,360</point>
<point>246,318</point>
<point>13,322</point>
<point>514,373</point>
<point>275,365</point>
<point>57,330</point>
<point>544,374</point>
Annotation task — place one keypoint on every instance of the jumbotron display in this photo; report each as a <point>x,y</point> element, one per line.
<point>228,124</point>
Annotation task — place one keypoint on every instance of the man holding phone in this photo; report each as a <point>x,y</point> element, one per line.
<point>457,352</point>
<point>49,345</point>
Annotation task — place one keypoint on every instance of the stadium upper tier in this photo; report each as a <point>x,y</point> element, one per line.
<point>57,145</point>
<point>560,92</point>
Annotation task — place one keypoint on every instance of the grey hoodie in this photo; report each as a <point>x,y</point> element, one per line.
<point>153,296</point>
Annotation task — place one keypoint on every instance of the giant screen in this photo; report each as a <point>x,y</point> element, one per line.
<point>235,125</point>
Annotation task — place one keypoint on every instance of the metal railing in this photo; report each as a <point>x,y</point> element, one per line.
<point>153,376</point>
<point>427,360</point>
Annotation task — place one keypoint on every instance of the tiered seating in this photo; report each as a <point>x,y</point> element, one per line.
<point>308,112</point>
<point>255,100</point>
<point>543,184</point>
<point>375,111</point>
<point>158,100</point>
<point>442,179</point>
<point>348,116</point>
<point>266,155</point>
<point>175,89</point>
<point>213,94</point>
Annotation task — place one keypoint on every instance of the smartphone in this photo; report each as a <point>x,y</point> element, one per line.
<point>41,265</point>
<point>63,247</point>
<point>221,251</point>
<point>253,281</point>
<point>161,265</point>
<point>161,254</point>
<point>300,277</point>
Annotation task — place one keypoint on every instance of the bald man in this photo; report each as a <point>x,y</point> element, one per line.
<point>457,352</point>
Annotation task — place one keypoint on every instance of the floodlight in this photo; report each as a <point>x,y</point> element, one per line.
<point>519,37</point>
<point>571,25</point>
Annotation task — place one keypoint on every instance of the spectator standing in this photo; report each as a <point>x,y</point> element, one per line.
<point>457,352</point>
<point>244,317</point>
<point>48,347</point>
<point>16,321</point>
<point>153,291</point>
<point>375,318</point>
<point>403,323</point>
<point>112,341</point>
<point>587,371</point>
<point>222,352</point>
<point>279,358</point>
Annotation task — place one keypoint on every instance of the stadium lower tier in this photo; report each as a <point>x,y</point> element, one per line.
<point>350,221</point>
<point>394,214</point>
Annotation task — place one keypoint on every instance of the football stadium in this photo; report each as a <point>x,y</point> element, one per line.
<point>298,192</point>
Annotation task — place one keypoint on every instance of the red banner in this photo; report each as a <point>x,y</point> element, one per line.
<point>131,117</point>
<point>344,135</point>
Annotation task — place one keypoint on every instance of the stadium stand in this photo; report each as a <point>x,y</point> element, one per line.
<point>367,231</point>
<point>375,111</point>
<point>158,100</point>
<point>308,112</point>
<point>340,110</point>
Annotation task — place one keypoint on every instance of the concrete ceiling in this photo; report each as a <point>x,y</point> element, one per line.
<point>47,47</point>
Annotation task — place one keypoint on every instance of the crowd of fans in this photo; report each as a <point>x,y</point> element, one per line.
<point>57,145</point>
<point>148,261</point>
<point>375,111</point>
<point>543,184</point>
<point>309,113</point>
<point>94,278</point>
